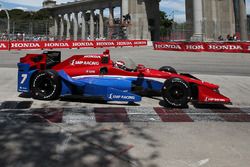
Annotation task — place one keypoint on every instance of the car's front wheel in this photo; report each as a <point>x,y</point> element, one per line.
<point>176,92</point>
<point>45,85</point>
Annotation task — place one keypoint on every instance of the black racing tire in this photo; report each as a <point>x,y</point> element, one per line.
<point>176,92</point>
<point>46,85</point>
<point>168,69</point>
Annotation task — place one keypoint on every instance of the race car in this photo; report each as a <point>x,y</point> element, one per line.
<point>95,76</point>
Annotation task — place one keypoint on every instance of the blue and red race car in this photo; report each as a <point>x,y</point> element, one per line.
<point>96,76</point>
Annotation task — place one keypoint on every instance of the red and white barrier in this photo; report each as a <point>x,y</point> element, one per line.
<point>229,47</point>
<point>23,45</point>
<point>4,45</point>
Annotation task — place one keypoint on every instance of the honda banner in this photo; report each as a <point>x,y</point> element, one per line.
<point>4,45</point>
<point>230,47</point>
<point>22,45</point>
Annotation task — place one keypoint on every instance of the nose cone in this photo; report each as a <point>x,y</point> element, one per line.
<point>211,95</point>
<point>227,100</point>
<point>210,85</point>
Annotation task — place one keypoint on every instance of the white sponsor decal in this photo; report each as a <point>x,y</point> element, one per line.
<point>24,77</point>
<point>194,47</point>
<point>92,56</point>
<point>124,43</point>
<point>112,96</point>
<point>169,46</point>
<point>105,43</point>
<point>208,99</point>
<point>248,47</point>
<point>25,45</point>
<point>22,88</point>
<point>61,44</point>
<point>91,63</point>
<point>140,42</point>
<point>2,45</point>
<point>90,71</point>
<point>225,47</point>
<point>82,44</point>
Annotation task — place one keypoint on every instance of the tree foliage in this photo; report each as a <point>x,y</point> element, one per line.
<point>165,21</point>
<point>165,24</point>
<point>18,14</point>
<point>28,22</point>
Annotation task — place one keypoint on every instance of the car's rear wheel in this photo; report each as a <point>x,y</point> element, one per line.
<point>176,92</point>
<point>45,85</point>
<point>168,69</point>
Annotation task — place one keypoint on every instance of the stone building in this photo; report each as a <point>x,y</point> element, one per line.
<point>211,18</point>
<point>144,23</point>
<point>49,3</point>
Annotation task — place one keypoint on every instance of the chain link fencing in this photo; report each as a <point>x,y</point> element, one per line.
<point>35,30</point>
<point>210,32</point>
<point>28,30</point>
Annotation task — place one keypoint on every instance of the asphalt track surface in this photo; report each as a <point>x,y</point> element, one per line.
<point>230,71</point>
<point>73,133</point>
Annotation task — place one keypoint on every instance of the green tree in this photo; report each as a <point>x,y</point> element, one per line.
<point>18,14</point>
<point>165,21</point>
<point>42,14</point>
<point>165,24</point>
<point>35,22</point>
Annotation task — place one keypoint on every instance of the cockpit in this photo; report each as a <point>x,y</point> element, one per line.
<point>122,65</point>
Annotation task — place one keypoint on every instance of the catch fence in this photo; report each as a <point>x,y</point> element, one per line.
<point>210,32</point>
<point>43,30</point>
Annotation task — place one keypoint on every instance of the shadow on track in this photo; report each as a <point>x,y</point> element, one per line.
<point>81,99</point>
<point>198,106</point>
<point>46,145</point>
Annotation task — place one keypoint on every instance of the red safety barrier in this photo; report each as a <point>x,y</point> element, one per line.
<point>4,45</point>
<point>229,47</point>
<point>22,45</point>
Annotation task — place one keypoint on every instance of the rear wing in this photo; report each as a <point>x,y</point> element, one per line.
<point>46,60</point>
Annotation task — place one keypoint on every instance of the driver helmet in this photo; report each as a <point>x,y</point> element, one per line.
<point>140,67</point>
<point>120,64</point>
